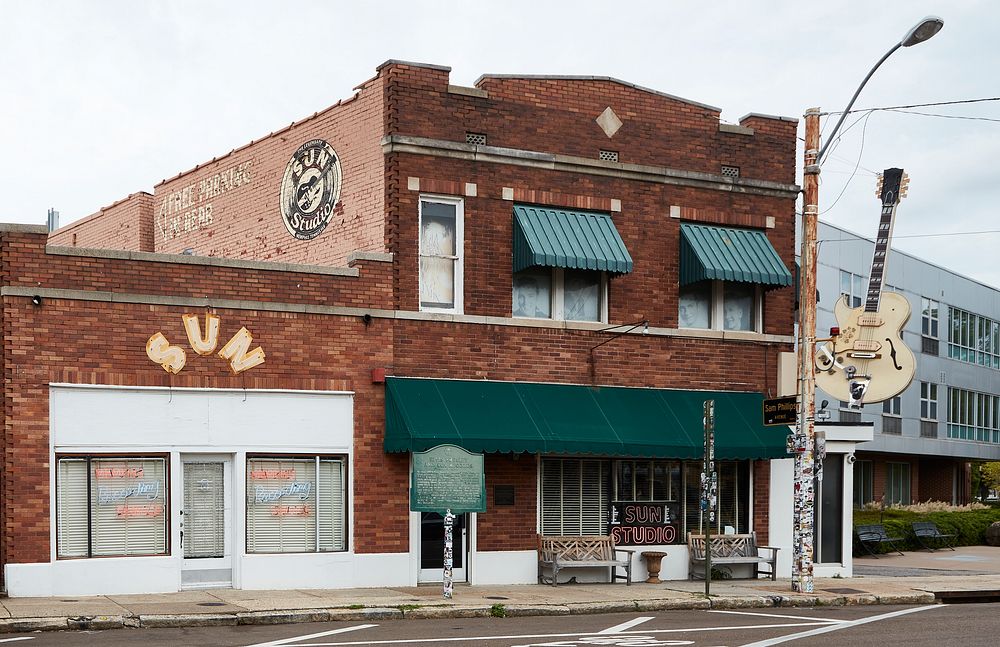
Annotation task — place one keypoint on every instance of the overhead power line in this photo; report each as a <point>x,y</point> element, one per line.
<point>916,105</point>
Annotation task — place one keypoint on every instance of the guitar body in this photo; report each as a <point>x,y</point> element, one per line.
<point>870,342</point>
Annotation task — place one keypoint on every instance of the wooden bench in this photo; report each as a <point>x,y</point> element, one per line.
<point>731,549</point>
<point>874,535</point>
<point>559,552</point>
<point>928,535</point>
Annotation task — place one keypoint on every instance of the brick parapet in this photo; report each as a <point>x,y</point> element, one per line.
<point>126,225</point>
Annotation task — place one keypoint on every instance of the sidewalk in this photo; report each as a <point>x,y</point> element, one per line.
<point>915,578</point>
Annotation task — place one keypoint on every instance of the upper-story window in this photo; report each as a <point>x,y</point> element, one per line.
<point>853,286</point>
<point>928,400</point>
<point>973,338</point>
<point>441,245</point>
<point>558,293</point>
<point>892,406</point>
<point>562,261</point>
<point>929,317</point>
<point>723,273</point>
<point>720,305</point>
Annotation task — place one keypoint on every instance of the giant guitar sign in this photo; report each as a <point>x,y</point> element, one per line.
<point>867,361</point>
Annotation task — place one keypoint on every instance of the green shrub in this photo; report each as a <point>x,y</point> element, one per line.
<point>969,526</point>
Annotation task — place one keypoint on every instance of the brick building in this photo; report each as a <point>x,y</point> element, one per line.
<point>554,271</point>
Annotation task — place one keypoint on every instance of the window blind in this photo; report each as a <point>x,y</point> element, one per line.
<point>71,508</point>
<point>575,497</point>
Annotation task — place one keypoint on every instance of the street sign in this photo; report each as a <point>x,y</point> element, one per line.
<point>781,411</point>
<point>445,478</point>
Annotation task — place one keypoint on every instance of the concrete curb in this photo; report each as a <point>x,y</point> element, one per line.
<point>170,621</point>
<point>292,616</point>
<point>18,625</point>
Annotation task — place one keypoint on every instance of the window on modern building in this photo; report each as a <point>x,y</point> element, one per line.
<point>441,245</point>
<point>720,305</point>
<point>296,505</point>
<point>973,415</point>
<point>111,506</point>
<point>892,423</point>
<point>862,483</point>
<point>897,489</point>
<point>929,317</point>
<point>577,493</point>
<point>846,414</point>
<point>853,286</point>
<point>558,293</point>
<point>973,338</point>
<point>928,401</point>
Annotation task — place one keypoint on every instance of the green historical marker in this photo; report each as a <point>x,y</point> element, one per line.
<point>447,477</point>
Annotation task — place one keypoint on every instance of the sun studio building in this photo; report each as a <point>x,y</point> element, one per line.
<point>222,382</point>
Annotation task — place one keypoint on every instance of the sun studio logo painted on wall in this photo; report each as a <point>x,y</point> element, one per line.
<point>310,189</point>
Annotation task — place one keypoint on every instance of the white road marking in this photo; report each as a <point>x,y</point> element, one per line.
<point>10,640</point>
<point>626,625</point>
<point>285,641</point>
<point>778,615</point>
<point>411,641</point>
<point>838,627</point>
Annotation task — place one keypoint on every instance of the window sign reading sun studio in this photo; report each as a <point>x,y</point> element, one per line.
<point>310,189</point>
<point>638,524</point>
<point>236,351</point>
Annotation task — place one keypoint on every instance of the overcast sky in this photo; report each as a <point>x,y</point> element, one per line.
<point>104,98</point>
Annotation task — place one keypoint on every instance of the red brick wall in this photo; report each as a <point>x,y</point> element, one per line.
<point>100,342</point>
<point>125,225</point>
<point>558,116</point>
<point>509,527</point>
<point>762,500</point>
<point>246,220</point>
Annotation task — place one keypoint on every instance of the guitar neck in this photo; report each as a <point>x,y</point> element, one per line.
<point>877,277</point>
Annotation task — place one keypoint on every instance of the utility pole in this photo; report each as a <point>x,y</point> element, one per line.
<point>805,436</point>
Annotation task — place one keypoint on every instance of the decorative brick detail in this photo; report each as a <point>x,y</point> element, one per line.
<point>553,199</point>
<point>741,219</point>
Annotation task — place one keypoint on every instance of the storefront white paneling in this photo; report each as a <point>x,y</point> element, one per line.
<point>216,424</point>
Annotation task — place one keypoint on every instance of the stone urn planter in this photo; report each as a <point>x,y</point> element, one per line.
<point>653,559</point>
<point>993,534</point>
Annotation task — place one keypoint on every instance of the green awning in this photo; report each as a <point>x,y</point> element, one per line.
<point>573,239</point>
<point>483,416</point>
<point>729,254</point>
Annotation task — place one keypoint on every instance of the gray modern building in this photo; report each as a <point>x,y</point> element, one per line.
<point>926,438</point>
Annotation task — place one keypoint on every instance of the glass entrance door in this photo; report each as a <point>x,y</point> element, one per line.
<point>432,547</point>
<point>206,522</point>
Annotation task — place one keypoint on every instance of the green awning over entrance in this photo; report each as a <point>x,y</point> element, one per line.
<point>728,254</point>
<point>573,239</point>
<point>483,416</point>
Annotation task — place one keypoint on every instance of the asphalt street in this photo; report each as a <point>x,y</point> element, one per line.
<point>971,625</point>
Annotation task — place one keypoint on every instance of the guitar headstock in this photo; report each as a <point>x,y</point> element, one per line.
<point>892,186</point>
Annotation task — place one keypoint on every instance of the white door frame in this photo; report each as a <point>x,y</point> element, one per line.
<point>432,575</point>
<point>229,491</point>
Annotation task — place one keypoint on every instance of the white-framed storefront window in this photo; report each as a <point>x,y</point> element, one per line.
<point>296,504</point>
<point>108,506</point>
<point>577,494</point>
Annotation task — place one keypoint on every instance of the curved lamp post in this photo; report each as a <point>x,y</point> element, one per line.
<point>805,438</point>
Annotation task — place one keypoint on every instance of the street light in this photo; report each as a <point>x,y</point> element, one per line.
<point>805,437</point>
